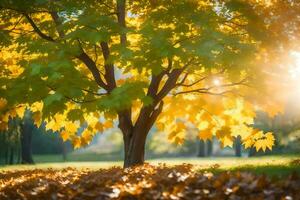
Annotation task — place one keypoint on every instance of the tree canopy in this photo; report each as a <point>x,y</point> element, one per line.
<point>83,65</point>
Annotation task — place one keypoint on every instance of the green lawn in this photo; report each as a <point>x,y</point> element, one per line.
<point>270,165</point>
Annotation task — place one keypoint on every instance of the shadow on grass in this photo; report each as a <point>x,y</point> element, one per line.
<point>269,170</point>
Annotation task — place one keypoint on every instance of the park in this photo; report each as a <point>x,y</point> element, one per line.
<point>158,99</point>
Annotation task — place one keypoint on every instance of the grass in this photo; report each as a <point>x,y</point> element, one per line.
<point>270,165</point>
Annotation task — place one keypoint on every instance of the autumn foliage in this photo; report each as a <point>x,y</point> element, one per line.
<point>145,182</point>
<point>174,65</point>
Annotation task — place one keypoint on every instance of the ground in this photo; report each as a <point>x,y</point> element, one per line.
<point>276,177</point>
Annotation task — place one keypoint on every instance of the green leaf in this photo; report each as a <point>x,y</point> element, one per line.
<point>35,68</point>
<point>52,98</point>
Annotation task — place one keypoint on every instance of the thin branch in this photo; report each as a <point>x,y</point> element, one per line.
<point>171,81</point>
<point>58,23</point>
<point>72,99</point>
<point>94,93</point>
<point>199,80</point>
<point>17,23</point>
<point>93,69</point>
<point>183,80</point>
<point>37,30</point>
<point>207,90</point>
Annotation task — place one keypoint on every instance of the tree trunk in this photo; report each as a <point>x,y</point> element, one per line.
<point>19,155</point>
<point>26,139</point>
<point>209,144</point>
<point>11,157</point>
<point>6,155</point>
<point>64,150</point>
<point>238,147</point>
<point>251,152</point>
<point>201,148</point>
<point>134,148</point>
<point>134,136</point>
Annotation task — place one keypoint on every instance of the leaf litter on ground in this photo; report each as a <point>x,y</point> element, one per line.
<point>145,182</point>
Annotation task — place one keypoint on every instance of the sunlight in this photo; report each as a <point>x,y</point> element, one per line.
<point>291,89</point>
<point>295,68</point>
<point>294,76</point>
<point>217,82</point>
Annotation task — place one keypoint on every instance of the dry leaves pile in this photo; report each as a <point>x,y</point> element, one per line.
<point>146,182</point>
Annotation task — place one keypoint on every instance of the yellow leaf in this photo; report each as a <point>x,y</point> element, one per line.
<point>180,126</point>
<point>266,141</point>
<point>109,115</point>
<point>71,127</point>
<point>96,114</point>
<point>53,126</point>
<point>37,106</point>
<point>226,142</point>
<point>20,111</point>
<point>108,124</point>
<point>65,135</point>
<point>206,116</point>
<point>172,135</point>
<point>160,126</point>
<point>223,132</point>
<point>248,143</point>
<point>76,142</point>
<point>86,137</point>
<point>179,140</point>
<point>99,126</point>
<point>37,118</point>
<point>205,134</point>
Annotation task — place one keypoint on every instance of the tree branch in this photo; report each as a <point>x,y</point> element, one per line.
<point>207,90</point>
<point>72,99</point>
<point>37,30</point>
<point>109,74</point>
<point>58,23</point>
<point>171,82</point>
<point>121,13</point>
<point>156,113</point>
<point>199,80</point>
<point>93,69</point>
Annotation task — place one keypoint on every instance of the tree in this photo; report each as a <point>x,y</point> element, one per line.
<point>26,139</point>
<point>204,148</point>
<point>137,62</point>
<point>238,147</point>
<point>10,142</point>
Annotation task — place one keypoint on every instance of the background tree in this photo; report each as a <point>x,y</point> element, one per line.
<point>10,143</point>
<point>137,62</point>
<point>26,127</point>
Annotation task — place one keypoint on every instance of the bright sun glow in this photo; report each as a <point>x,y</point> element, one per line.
<point>295,68</point>
<point>216,82</point>
<point>293,83</point>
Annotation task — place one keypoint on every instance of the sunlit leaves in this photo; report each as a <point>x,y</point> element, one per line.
<point>147,182</point>
<point>221,43</point>
<point>226,120</point>
<point>260,140</point>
